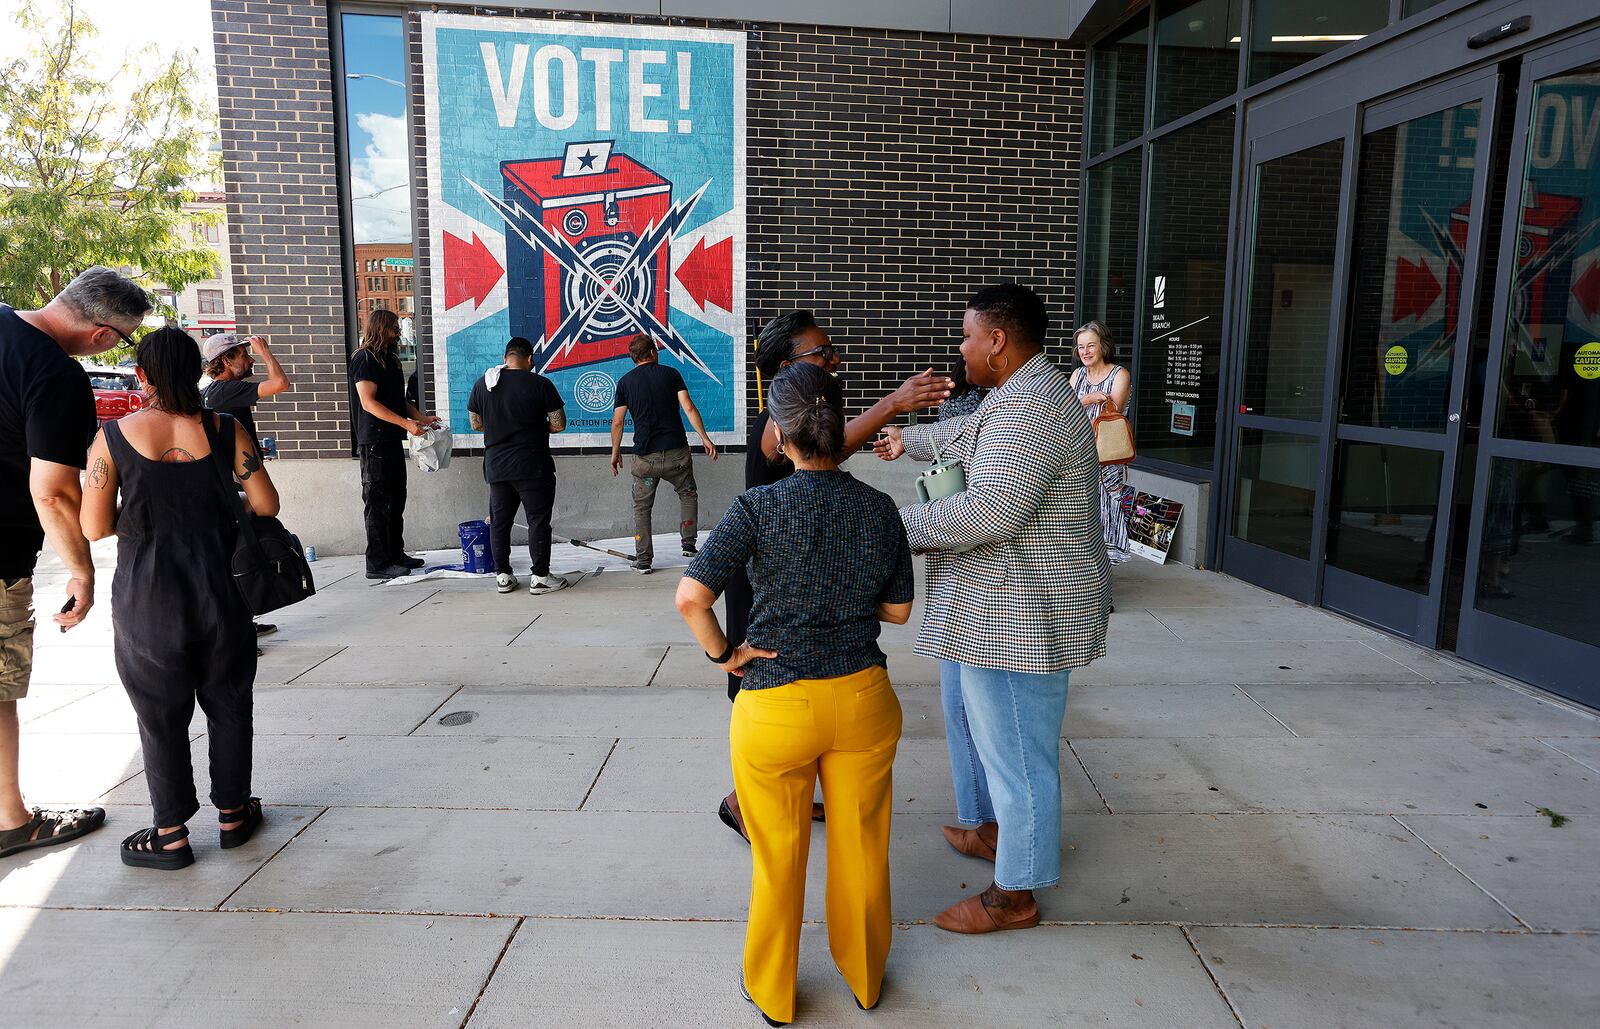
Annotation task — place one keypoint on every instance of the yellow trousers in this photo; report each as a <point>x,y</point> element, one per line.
<point>845,729</point>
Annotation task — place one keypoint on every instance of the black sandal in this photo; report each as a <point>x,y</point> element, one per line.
<point>251,816</point>
<point>731,820</point>
<point>58,826</point>
<point>147,849</point>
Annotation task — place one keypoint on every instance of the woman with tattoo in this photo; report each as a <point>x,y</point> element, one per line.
<point>180,627</point>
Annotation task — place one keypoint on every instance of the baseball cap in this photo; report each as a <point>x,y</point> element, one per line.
<point>213,347</point>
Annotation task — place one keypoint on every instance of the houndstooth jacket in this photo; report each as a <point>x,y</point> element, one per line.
<point>1018,577</point>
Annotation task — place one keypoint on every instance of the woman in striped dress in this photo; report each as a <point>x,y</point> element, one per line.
<point>1096,382</point>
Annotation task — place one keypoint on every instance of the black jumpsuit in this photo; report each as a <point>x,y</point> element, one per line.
<point>180,627</point>
<point>738,596</point>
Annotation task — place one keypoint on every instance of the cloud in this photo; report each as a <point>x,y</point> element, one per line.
<point>380,188</point>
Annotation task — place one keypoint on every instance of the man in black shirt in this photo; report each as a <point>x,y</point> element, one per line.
<point>383,418</point>
<point>229,363</point>
<point>517,409</point>
<point>653,394</point>
<point>47,420</point>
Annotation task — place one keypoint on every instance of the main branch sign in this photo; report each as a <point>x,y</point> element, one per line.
<point>586,184</point>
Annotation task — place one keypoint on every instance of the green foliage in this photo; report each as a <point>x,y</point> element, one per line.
<point>96,170</point>
<point>1557,820</point>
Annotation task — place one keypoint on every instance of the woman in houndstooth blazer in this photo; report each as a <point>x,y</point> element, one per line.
<point>1018,595</point>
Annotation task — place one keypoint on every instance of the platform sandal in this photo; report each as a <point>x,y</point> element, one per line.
<point>147,849</point>
<point>251,816</point>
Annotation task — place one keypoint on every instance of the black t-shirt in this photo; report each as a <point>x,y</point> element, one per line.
<point>46,412</point>
<point>758,471</point>
<point>366,367</point>
<point>235,397</point>
<point>516,432</point>
<point>650,393</point>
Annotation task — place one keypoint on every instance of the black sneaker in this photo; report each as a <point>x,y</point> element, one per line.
<point>407,561</point>
<point>642,567</point>
<point>391,572</point>
<point>263,629</point>
<point>690,550</point>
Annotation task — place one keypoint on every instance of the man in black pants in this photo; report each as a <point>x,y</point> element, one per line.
<point>517,409</point>
<point>383,418</point>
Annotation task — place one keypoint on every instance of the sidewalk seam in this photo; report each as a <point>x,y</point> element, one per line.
<point>524,629</point>
<point>492,970</point>
<point>1418,836</point>
<point>599,773</point>
<point>657,670</point>
<point>1102,796</point>
<point>291,680</point>
<point>271,858</point>
<point>1543,742</point>
<point>429,596</point>
<point>1268,710</point>
<point>1238,1015</point>
<point>436,710</point>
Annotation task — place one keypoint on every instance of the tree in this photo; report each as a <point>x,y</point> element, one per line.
<point>96,172</point>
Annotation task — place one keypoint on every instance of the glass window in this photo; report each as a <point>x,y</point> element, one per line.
<point>1551,379</point>
<point>379,146</point>
<point>1538,564</point>
<point>1413,217</point>
<point>1197,55</point>
<point>1285,34</point>
<point>1186,240</point>
<point>1291,283</point>
<point>1276,490</point>
<point>1116,87</point>
<point>1110,251</point>
<point>1383,517</point>
<point>210,301</point>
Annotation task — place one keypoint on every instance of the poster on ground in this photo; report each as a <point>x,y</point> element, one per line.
<point>586,185</point>
<point>1152,524</point>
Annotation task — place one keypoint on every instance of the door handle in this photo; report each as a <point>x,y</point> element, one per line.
<point>1455,418</point>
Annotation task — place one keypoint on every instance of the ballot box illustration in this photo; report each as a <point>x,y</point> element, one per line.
<point>578,288</point>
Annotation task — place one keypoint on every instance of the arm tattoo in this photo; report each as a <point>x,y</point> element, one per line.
<point>252,463</point>
<point>177,455</point>
<point>97,474</point>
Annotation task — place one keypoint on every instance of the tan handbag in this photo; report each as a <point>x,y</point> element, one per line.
<point>1113,435</point>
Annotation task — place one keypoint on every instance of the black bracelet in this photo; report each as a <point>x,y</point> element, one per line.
<point>726,654</point>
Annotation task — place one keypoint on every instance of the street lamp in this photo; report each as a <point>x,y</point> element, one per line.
<point>370,75</point>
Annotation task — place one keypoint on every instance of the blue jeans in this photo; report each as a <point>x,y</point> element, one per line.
<point>1004,733</point>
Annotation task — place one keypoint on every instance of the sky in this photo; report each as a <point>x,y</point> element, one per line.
<point>376,109</point>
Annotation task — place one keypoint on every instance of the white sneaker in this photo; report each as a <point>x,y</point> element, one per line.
<point>505,582</point>
<point>546,584</point>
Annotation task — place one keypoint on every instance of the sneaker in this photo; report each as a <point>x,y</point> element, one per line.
<point>546,584</point>
<point>642,567</point>
<point>690,550</point>
<point>407,561</point>
<point>391,572</point>
<point>265,630</point>
<point>505,582</point>
<point>260,652</point>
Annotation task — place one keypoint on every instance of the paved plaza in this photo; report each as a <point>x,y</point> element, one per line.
<point>499,811</point>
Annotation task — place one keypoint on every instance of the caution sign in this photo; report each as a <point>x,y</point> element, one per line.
<point>1394,360</point>
<point>1586,362</point>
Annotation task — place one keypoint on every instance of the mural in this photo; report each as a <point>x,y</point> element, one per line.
<point>586,184</point>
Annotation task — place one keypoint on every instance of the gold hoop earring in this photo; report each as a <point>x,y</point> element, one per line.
<point>988,362</point>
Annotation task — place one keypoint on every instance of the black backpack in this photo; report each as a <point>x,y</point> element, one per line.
<point>269,565</point>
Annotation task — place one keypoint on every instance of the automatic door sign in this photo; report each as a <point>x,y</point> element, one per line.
<point>585,187</point>
<point>1395,360</point>
<point>1586,362</point>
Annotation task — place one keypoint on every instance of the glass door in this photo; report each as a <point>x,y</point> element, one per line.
<point>1289,320</point>
<point>1415,239</point>
<point>1532,606</point>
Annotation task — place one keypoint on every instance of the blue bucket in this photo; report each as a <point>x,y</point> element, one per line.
<point>475,556</point>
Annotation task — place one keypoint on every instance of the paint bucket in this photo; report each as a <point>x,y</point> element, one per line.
<point>475,556</point>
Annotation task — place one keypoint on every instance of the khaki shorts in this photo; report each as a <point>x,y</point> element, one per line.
<point>16,638</point>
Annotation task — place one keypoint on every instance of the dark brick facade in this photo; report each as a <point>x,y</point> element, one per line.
<point>890,175</point>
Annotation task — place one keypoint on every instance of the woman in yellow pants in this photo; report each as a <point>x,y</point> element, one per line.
<point>828,560</point>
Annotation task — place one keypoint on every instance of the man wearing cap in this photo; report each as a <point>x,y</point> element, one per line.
<point>229,362</point>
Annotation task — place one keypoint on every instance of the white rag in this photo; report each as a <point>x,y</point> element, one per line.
<point>491,378</point>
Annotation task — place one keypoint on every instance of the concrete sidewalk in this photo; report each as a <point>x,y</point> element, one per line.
<point>499,811</point>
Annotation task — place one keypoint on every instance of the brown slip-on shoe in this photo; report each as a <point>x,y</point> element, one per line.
<point>972,917</point>
<point>968,842</point>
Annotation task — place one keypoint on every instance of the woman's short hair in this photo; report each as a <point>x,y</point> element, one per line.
<point>808,405</point>
<point>1108,346</point>
<point>1016,309</point>
<point>170,360</point>
<point>775,341</point>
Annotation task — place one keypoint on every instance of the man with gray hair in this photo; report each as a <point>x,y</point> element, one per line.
<point>47,420</point>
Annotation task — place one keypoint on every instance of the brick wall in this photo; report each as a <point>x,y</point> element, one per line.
<point>890,175</point>
<point>275,101</point>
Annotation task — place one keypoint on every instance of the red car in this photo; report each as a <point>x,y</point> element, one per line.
<point>116,393</point>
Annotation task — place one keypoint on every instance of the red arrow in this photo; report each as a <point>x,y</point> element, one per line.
<point>707,273</point>
<point>1415,289</point>
<point>1587,290</point>
<point>470,271</point>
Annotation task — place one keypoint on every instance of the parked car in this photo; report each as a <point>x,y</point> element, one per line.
<point>116,393</point>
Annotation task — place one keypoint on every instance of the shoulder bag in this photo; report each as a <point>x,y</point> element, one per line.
<point>1113,433</point>
<point>269,566</point>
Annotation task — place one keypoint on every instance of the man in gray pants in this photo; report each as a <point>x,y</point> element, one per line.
<point>653,394</point>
